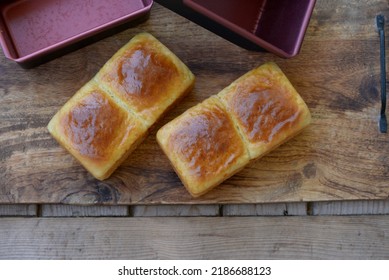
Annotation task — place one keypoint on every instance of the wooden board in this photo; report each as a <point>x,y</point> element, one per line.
<point>364,207</point>
<point>265,209</point>
<point>18,210</point>
<point>175,210</point>
<point>60,210</point>
<point>341,156</point>
<point>353,237</point>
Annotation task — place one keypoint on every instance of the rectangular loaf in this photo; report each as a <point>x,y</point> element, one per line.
<point>215,139</point>
<point>109,116</point>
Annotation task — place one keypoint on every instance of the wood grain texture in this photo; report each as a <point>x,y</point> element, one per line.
<point>266,209</point>
<point>341,156</point>
<point>175,210</point>
<point>340,237</point>
<point>12,210</point>
<point>58,210</point>
<point>374,207</point>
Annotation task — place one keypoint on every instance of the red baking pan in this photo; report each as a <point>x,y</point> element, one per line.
<point>35,31</point>
<point>277,26</point>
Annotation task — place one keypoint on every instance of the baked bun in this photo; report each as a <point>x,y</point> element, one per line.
<point>204,146</point>
<point>146,76</point>
<point>215,139</point>
<point>109,116</point>
<point>266,108</point>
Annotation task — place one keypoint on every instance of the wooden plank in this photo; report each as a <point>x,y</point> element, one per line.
<point>18,210</point>
<point>377,207</point>
<point>309,237</point>
<point>341,156</point>
<point>58,210</point>
<point>270,209</point>
<point>175,210</point>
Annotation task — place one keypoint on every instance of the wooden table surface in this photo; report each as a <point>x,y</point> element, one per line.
<point>341,156</point>
<point>332,179</point>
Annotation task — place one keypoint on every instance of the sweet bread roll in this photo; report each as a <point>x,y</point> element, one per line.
<point>204,146</point>
<point>215,139</point>
<point>96,130</point>
<point>146,76</point>
<point>109,116</point>
<point>266,108</point>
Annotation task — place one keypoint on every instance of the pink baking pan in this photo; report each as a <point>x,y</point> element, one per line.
<point>277,26</point>
<point>35,31</point>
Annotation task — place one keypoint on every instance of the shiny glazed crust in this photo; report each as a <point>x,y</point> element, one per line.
<point>262,107</point>
<point>146,76</point>
<point>204,146</point>
<point>99,126</point>
<point>266,108</point>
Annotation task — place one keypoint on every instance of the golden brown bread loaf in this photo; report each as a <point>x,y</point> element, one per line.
<point>109,116</point>
<point>216,138</point>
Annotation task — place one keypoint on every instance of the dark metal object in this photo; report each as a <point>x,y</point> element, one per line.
<point>383,122</point>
